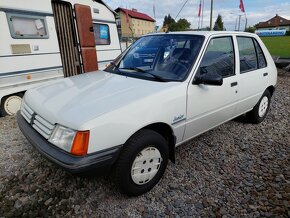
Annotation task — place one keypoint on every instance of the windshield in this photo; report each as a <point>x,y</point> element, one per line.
<point>159,57</point>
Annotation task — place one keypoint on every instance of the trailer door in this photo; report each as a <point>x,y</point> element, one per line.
<point>86,37</point>
<point>67,38</point>
<point>75,37</point>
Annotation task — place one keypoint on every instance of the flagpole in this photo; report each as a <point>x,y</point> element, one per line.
<point>202,13</point>
<point>242,8</point>
<point>236,24</point>
<point>199,13</point>
<point>154,12</point>
<point>198,23</point>
<point>246,21</point>
<point>239,25</point>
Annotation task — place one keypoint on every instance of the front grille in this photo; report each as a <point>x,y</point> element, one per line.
<point>41,125</point>
<point>26,112</point>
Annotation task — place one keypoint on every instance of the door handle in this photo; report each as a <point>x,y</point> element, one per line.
<point>265,74</point>
<point>234,84</point>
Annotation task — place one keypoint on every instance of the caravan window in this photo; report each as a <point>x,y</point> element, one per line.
<point>102,34</point>
<point>27,26</point>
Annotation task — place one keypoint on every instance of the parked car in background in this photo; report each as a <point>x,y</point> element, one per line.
<point>163,91</point>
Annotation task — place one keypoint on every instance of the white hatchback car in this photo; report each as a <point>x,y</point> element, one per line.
<point>164,90</point>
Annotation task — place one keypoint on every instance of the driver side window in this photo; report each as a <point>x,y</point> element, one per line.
<point>219,58</point>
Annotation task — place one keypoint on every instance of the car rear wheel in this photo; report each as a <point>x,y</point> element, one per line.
<point>142,162</point>
<point>10,104</point>
<point>261,109</point>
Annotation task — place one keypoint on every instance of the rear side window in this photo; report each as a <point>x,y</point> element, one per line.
<point>219,57</point>
<point>261,57</point>
<point>102,34</point>
<point>27,26</point>
<point>248,57</point>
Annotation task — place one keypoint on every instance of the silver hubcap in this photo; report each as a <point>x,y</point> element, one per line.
<point>12,104</point>
<point>263,106</point>
<point>146,165</point>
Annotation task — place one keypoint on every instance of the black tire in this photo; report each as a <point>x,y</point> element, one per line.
<point>138,142</point>
<point>253,116</point>
<point>3,111</point>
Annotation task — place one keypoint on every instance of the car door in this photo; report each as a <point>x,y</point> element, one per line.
<point>253,73</point>
<point>208,105</point>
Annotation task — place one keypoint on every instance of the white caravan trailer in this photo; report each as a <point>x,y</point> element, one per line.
<point>48,39</point>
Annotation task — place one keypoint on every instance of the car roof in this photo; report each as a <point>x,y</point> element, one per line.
<point>207,33</point>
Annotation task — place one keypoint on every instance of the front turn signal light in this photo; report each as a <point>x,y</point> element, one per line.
<point>80,143</point>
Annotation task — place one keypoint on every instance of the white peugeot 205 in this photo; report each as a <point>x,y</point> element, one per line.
<point>164,90</point>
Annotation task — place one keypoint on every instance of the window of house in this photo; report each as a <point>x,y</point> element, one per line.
<point>102,34</point>
<point>219,57</point>
<point>248,57</point>
<point>27,26</point>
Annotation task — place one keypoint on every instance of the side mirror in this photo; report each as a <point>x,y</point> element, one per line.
<point>213,79</point>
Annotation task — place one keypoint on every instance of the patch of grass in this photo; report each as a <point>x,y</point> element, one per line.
<point>278,45</point>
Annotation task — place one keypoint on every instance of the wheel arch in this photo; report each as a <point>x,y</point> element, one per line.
<point>271,89</point>
<point>166,131</point>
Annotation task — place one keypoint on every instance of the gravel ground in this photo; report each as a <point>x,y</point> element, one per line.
<point>235,170</point>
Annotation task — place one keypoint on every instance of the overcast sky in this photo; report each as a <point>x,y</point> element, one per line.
<point>256,10</point>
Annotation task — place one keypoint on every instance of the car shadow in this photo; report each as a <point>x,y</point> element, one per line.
<point>241,119</point>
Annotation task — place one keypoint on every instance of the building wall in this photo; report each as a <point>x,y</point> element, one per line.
<point>142,27</point>
<point>125,26</point>
<point>135,27</point>
<point>275,28</point>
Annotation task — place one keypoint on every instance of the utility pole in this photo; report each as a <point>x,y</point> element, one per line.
<point>211,8</point>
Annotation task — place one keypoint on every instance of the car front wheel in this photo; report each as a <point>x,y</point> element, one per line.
<point>142,162</point>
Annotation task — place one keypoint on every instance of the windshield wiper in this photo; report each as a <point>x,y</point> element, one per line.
<point>158,78</point>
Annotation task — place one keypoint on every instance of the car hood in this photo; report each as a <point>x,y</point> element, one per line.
<point>75,100</point>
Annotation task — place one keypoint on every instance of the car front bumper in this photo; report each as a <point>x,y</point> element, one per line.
<point>99,162</point>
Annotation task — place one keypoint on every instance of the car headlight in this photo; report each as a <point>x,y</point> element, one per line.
<point>75,142</point>
<point>62,137</point>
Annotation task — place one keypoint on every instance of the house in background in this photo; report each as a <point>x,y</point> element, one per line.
<point>275,23</point>
<point>133,24</point>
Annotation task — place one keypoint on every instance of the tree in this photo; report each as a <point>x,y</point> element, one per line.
<point>256,25</point>
<point>219,24</point>
<point>250,29</point>
<point>168,20</point>
<point>180,25</point>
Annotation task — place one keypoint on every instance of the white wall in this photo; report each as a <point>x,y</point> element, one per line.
<point>275,28</point>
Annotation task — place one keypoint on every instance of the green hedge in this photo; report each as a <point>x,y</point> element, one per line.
<point>287,33</point>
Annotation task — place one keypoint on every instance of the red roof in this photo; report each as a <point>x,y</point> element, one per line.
<point>136,14</point>
<point>274,22</point>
